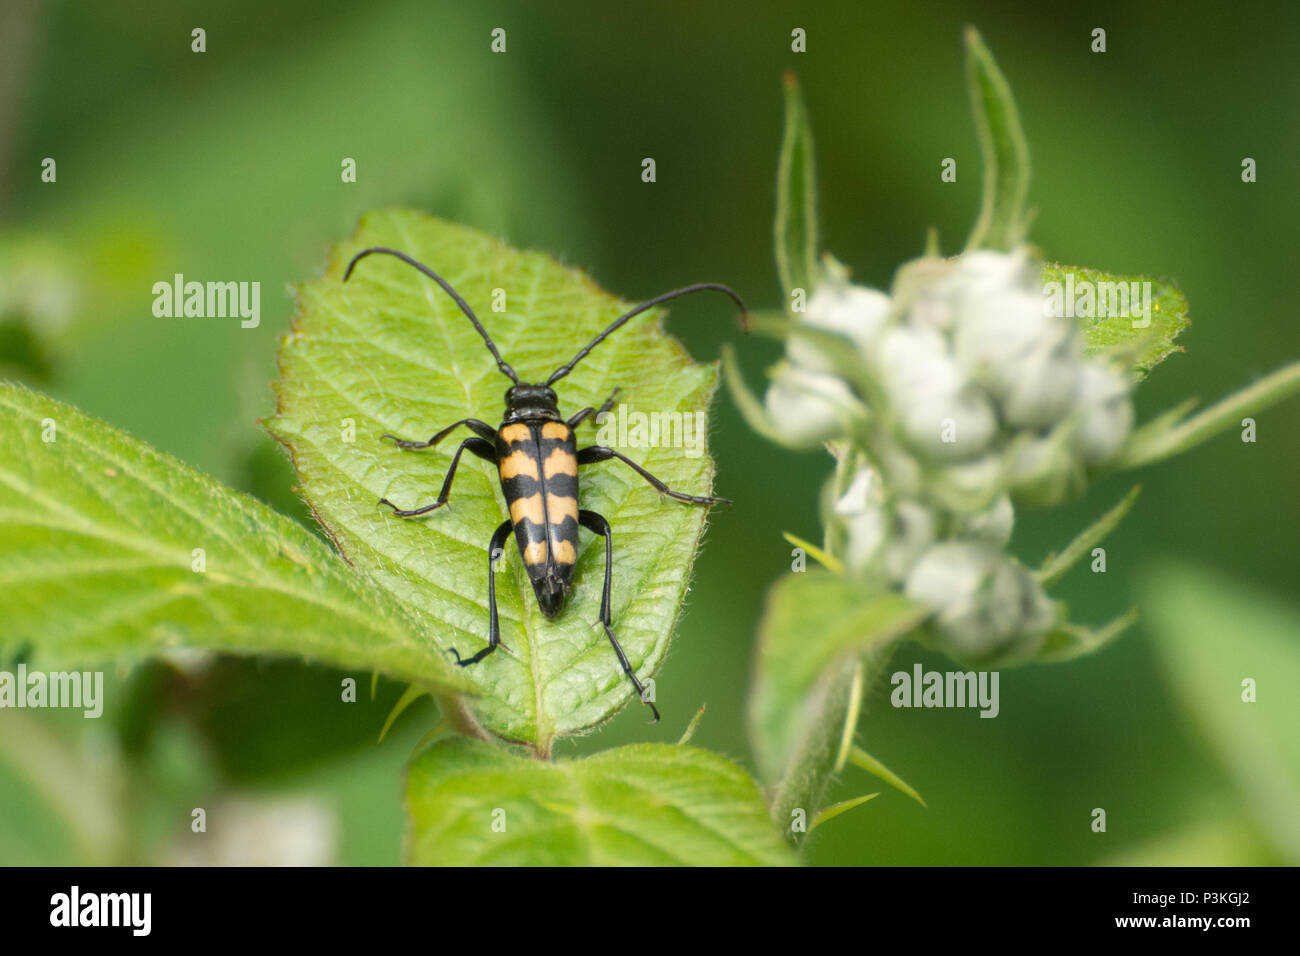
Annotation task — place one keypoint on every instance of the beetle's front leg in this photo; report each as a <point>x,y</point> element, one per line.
<point>587,412</point>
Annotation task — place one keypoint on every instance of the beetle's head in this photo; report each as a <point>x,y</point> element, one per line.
<point>531,401</point>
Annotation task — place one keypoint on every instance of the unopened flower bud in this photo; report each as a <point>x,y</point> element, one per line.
<point>807,408</point>
<point>1105,413</point>
<point>911,532</point>
<point>922,292</point>
<point>860,515</point>
<point>938,411</point>
<point>1044,472</point>
<point>1047,386</point>
<point>990,610</point>
<point>980,272</point>
<point>969,485</point>
<point>992,525</point>
<point>1027,360</point>
<point>855,312</point>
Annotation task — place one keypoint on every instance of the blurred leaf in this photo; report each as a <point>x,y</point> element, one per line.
<point>40,290</point>
<point>795,228</point>
<point>97,557</point>
<point>1057,564</point>
<point>1140,349</point>
<point>1217,835</point>
<point>1002,221</point>
<point>62,805</point>
<point>270,720</point>
<point>22,353</point>
<point>815,627</point>
<point>642,805</point>
<point>1211,635</point>
<point>1171,434</point>
<point>390,352</point>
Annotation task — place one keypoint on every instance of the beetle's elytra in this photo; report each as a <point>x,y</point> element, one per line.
<point>536,454</point>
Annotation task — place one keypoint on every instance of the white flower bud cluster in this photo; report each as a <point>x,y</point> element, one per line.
<point>945,401</point>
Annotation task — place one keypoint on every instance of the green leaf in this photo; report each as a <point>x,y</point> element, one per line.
<point>1212,635</point>
<point>815,628</point>
<point>98,539</point>
<point>471,804</point>
<point>390,352</point>
<point>795,228</point>
<point>1002,221</point>
<point>1140,347</point>
<point>1171,434</point>
<point>1057,564</point>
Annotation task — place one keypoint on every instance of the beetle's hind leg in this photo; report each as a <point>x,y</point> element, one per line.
<point>495,548</point>
<point>597,523</point>
<point>484,449</point>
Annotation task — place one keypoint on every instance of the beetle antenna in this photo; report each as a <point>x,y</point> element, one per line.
<point>564,370</point>
<point>502,364</point>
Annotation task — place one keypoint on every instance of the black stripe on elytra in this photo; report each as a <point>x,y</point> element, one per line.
<point>530,532</point>
<point>566,530</point>
<point>564,486</point>
<point>549,445</point>
<point>520,486</point>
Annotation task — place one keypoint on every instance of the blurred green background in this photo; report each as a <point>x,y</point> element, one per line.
<point>226,165</point>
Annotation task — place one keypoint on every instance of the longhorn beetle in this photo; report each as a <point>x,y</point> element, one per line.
<point>537,457</point>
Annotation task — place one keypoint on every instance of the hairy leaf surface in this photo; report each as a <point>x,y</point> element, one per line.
<point>389,351</point>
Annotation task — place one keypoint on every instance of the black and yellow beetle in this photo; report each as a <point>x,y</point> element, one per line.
<point>536,454</point>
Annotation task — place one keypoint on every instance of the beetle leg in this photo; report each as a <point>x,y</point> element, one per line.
<point>587,412</point>
<point>482,429</point>
<point>494,627</point>
<point>598,453</point>
<point>597,523</point>
<point>478,446</point>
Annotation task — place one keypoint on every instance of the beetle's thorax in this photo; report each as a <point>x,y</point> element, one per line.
<point>531,403</point>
